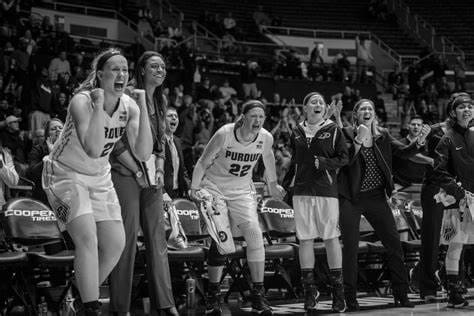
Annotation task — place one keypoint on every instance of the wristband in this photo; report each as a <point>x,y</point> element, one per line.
<point>160,170</point>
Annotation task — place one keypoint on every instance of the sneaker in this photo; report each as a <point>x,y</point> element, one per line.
<point>455,298</point>
<point>338,301</point>
<point>352,304</point>
<point>260,305</point>
<point>213,305</point>
<point>311,297</point>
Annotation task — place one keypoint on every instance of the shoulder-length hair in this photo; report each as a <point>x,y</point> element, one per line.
<point>355,120</point>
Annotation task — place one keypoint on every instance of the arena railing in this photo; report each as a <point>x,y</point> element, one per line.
<point>426,32</point>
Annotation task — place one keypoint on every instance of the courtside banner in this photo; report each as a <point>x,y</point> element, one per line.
<point>276,216</point>
<point>26,219</point>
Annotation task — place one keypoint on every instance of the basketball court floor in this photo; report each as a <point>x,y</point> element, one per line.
<point>370,305</point>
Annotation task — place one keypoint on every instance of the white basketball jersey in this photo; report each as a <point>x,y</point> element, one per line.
<point>231,170</point>
<point>68,150</point>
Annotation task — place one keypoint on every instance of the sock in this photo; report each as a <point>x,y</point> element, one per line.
<point>258,286</point>
<point>214,288</point>
<point>93,305</point>
<point>452,278</point>
<point>308,276</point>
<point>336,273</point>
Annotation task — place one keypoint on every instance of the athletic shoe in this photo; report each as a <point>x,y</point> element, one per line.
<point>311,297</point>
<point>260,305</point>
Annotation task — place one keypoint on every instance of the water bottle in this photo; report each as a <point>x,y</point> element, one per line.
<point>190,293</point>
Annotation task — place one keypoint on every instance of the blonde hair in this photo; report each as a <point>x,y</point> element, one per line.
<point>91,81</point>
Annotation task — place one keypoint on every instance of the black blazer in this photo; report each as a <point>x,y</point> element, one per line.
<point>183,179</point>
<point>350,176</point>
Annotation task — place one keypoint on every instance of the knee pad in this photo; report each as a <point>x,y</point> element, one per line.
<point>253,237</point>
<point>215,259</point>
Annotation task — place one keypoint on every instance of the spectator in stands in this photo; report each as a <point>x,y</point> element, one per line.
<point>29,42</point>
<point>35,157</point>
<point>8,175</point>
<point>261,18</point>
<point>444,92</point>
<point>60,105</point>
<point>226,90</point>
<point>229,24</point>
<point>317,69</point>
<point>364,59</point>
<point>59,65</point>
<point>9,10</point>
<point>5,111</point>
<point>203,91</point>
<point>407,171</point>
<point>46,25</point>
<point>460,73</point>
<point>176,180</point>
<point>13,139</point>
<point>341,67</point>
<point>187,132</point>
<point>380,107</point>
<point>136,49</point>
<point>229,43</point>
<point>22,62</point>
<point>363,186</point>
<point>139,192</point>
<point>42,101</point>
<point>248,77</point>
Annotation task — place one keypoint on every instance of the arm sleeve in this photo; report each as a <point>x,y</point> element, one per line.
<point>443,170</point>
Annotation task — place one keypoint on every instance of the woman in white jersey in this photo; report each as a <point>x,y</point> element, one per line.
<point>76,174</point>
<point>225,170</point>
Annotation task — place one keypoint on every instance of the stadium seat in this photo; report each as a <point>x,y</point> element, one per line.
<point>32,225</point>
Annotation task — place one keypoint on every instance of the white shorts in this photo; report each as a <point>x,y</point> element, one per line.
<point>242,206</point>
<point>316,217</point>
<point>72,194</point>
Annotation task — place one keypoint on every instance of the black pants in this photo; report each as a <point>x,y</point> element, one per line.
<point>430,235</point>
<point>373,205</point>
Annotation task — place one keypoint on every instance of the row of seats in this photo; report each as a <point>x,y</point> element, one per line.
<point>31,223</point>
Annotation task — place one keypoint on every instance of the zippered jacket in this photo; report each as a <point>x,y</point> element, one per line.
<point>385,146</point>
<point>455,161</point>
<point>329,147</point>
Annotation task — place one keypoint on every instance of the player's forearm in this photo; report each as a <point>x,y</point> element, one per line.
<point>198,174</point>
<point>94,139</point>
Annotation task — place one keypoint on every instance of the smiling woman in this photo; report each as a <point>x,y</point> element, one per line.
<point>139,185</point>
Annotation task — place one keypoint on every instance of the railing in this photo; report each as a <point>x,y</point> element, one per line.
<point>399,59</point>
<point>422,29</point>
<point>86,10</point>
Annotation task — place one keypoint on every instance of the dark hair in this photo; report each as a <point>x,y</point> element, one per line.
<point>416,117</point>
<point>138,82</point>
<point>48,124</point>
<point>453,99</point>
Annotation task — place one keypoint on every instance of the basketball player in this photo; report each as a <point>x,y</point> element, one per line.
<point>76,175</point>
<point>225,170</point>
<point>319,150</point>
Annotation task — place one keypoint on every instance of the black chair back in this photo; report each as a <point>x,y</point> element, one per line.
<point>190,219</point>
<point>29,221</point>
<point>277,217</point>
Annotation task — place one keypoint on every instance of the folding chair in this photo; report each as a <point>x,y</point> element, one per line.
<point>33,225</point>
<point>194,256</point>
<point>277,222</point>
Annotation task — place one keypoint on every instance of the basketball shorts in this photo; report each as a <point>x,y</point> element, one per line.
<point>242,205</point>
<point>316,217</point>
<point>72,194</point>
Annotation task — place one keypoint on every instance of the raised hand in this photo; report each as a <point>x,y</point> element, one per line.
<point>97,96</point>
<point>49,143</point>
<point>425,130</point>
<point>139,95</point>
<point>363,133</point>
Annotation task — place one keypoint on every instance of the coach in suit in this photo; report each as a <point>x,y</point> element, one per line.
<point>176,181</point>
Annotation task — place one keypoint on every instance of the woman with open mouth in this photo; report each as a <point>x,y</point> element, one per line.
<point>319,150</point>
<point>139,186</point>
<point>454,171</point>
<point>77,177</point>
<point>364,185</point>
